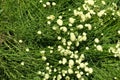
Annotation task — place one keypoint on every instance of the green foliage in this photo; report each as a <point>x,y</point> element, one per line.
<point>22,19</point>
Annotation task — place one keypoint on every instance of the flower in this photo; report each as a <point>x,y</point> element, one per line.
<point>70,71</point>
<point>59,77</point>
<point>55,70</point>
<point>72,36</point>
<point>114,4</point>
<point>64,60</point>
<point>90,70</point>
<point>53,3</point>
<point>76,12</point>
<point>67,78</point>
<point>91,12</point>
<point>82,56</point>
<point>39,72</point>
<point>60,17</point>
<point>86,69</point>
<point>83,17</point>
<point>46,76</point>
<point>101,13</point>
<point>20,41</point>
<point>71,20</point>
<point>79,8</point>
<point>85,7</point>
<point>75,56</point>
<point>47,64</point>
<point>79,26</point>
<point>82,65</point>
<point>84,37</point>
<point>115,78</point>
<point>99,48</point>
<point>71,63</point>
<point>77,43</point>
<point>51,51</point>
<point>60,62</point>
<point>59,38</point>
<point>48,3</point>
<point>89,26</point>
<point>27,49</point>
<point>96,40</point>
<point>69,9</point>
<point>54,28</point>
<point>84,33</point>
<point>78,75</point>
<point>44,5</point>
<point>63,40</point>
<point>69,24</point>
<point>44,58</point>
<point>103,2</point>
<point>69,43</point>
<point>42,52</point>
<point>40,1</point>
<point>79,38</point>
<point>39,32</point>
<point>118,13</point>
<point>87,48</point>
<point>22,63</point>
<point>59,22</point>
<point>102,34</point>
<point>90,2</point>
<point>81,73</point>
<point>118,31</point>
<point>64,29</point>
<point>51,17</point>
<point>88,15</point>
<point>47,68</point>
<point>48,22</point>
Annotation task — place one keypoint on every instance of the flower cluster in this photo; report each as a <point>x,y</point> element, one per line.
<point>72,64</point>
<point>71,34</point>
<point>115,50</point>
<point>47,4</point>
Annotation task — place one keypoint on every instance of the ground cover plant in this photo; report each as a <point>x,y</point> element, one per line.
<point>59,40</point>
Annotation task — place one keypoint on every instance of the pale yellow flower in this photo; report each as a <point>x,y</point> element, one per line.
<point>72,36</point>
<point>59,22</point>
